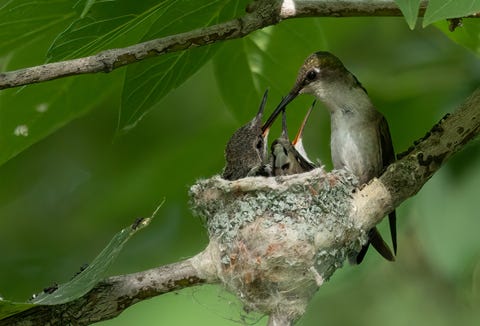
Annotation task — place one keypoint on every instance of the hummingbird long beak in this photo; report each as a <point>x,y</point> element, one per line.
<point>287,99</point>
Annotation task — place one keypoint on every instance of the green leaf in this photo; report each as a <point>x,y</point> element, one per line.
<point>95,272</point>
<point>244,68</point>
<point>86,279</point>
<point>146,83</point>
<point>87,7</point>
<point>409,9</point>
<point>443,9</point>
<point>29,114</point>
<point>9,308</point>
<point>104,25</point>
<point>467,35</point>
<point>23,21</point>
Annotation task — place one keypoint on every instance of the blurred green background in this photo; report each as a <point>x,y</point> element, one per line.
<point>63,198</point>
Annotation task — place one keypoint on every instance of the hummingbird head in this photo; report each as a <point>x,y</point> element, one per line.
<point>319,75</point>
<point>319,69</point>
<point>246,149</point>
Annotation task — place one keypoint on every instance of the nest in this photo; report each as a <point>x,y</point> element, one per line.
<point>277,239</point>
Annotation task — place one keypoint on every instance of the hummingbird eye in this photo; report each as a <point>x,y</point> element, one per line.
<point>311,75</point>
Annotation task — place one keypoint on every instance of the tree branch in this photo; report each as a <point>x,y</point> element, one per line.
<point>260,14</point>
<point>115,294</point>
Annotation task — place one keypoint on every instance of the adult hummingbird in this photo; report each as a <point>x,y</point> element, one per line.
<point>360,139</point>
<point>286,158</point>
<point>246,150</point>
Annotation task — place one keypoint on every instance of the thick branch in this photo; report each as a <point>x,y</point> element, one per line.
<point>115,294</point>
<point>260,14</point>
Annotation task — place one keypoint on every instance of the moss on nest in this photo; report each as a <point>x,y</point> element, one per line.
<point>279,238</point>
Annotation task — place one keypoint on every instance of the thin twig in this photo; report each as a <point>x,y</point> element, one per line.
<point>260,14</point>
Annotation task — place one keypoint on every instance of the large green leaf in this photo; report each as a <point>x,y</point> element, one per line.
<point>29,114</point>
<point>443,9</point>
<point>244,68</point>
<point>146,83</point>
<point>467,35</point>
<point>86,279</point>
<point>23,21</point>
<point>409,9</point>
<point>95,272</point>
<point>106,24</point>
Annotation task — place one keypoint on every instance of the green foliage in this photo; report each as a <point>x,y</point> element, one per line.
<point>23,21</point>
<point>8,308</point>
<point>101,25</point>
<point>437,10</point>
<point>31,113</point>
<point>85,280</point>
<point>146,83</point>
<point>250,67</point>
<point>467,35</point>
<point>76,29</point>
<point>62,197</point>
<point>409,9</point>
<point>443,9</point>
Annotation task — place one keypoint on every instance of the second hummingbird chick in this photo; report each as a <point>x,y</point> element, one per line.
<point>246,150</point>
<point>298,140</point>
<point>286,159</point>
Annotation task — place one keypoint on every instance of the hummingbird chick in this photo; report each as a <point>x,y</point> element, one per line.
<point>286,156</point>
<point>246,150</point>
<point>360,140</point>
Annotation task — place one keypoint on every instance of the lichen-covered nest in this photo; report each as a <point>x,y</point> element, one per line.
<point>276,240</point>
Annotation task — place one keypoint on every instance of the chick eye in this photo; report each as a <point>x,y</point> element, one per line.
<point>311,75</point>
<point>259,144</point>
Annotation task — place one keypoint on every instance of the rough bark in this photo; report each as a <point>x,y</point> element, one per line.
<point>115,294</point>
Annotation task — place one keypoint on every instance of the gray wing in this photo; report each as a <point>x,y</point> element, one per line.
<point>388,154</point>
<point>388,157</point>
